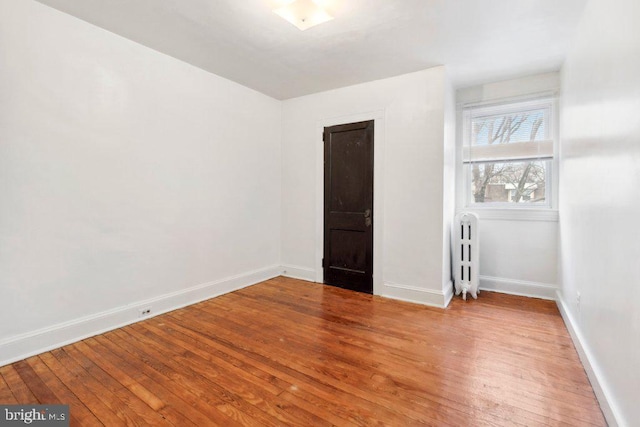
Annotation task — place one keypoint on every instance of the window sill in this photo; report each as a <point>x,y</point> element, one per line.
<point>515,214</point>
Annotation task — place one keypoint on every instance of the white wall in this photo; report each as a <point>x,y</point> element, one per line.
<point>599,182</point>
<point>408,188</point>
<point>125,174</point>
<point>518,249</point>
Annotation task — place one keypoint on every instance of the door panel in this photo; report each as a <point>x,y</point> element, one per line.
<point>348,172</point>
<point>348,206</point>
<point>347,255</point>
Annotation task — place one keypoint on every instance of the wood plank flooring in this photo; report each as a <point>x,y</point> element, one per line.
<point>288,352</point>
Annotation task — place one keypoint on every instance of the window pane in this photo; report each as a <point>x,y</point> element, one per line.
<point>508,182</point>
<point>508,128</point>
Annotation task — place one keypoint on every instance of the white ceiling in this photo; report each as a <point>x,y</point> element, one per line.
<point>243,40</point>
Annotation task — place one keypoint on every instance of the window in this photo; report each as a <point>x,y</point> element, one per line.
<point>507,154</point>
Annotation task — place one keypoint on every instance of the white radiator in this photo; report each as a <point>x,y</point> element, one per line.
<point>467,254</point>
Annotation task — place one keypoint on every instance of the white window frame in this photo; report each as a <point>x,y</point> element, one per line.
<point>547,102</point>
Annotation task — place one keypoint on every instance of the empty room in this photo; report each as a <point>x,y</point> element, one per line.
<point>319,212</point>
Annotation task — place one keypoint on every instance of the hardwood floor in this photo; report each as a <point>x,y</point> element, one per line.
<point>288,352</point>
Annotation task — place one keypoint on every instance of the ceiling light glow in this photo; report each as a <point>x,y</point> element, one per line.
<point>304,14</point>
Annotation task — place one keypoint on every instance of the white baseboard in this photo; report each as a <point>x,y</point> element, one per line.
<point>518,287</point>
<point>390,290</point>
<point>26,345</point>
<point>596,377</point>
<point>297,272</point>
<point>416,295</point>
<point>448,293</point>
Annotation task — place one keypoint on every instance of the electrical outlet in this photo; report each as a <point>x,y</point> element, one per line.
<point>143,312</point>
<point>578,300</point>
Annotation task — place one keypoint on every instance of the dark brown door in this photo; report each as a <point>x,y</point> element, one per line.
<point>348,206</point>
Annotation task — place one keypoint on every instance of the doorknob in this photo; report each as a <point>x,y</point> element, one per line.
<point>367,213</point>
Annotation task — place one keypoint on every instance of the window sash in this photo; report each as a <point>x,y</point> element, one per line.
<point>515,151</point>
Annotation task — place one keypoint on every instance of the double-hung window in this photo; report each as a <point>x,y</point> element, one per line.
<point>507,154</point>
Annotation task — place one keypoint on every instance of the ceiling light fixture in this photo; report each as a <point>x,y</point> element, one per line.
<point>304,14</point>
